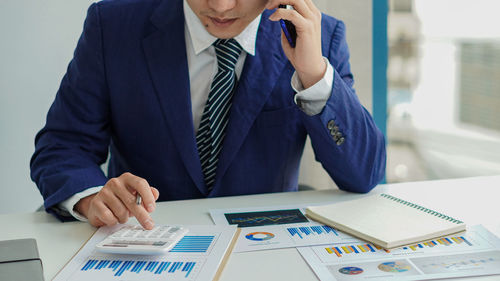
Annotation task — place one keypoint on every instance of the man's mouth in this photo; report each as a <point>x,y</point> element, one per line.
<point>222,22</point>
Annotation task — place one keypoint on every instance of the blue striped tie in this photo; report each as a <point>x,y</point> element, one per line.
<point>215,115</point>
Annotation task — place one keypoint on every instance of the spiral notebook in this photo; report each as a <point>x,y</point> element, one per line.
<point>385,220</point>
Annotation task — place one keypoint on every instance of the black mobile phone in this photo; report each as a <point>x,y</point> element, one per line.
<point>288,28</point>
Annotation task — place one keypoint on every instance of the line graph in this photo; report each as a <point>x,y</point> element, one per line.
<point>249,219</point>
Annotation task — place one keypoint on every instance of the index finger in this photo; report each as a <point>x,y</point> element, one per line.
<point>298,5</point>
<point>142,216</point>
<point>126,196</point>
<point>141,186</point>
<point>311,5</point>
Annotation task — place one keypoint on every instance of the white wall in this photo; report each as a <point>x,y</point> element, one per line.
<point>37,41</point>
<point>357,15</point>
<point>450,148</point>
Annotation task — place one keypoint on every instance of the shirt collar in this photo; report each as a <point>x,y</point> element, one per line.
<point>202,39</point>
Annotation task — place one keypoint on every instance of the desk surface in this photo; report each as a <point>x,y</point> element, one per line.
<point>473,200</point>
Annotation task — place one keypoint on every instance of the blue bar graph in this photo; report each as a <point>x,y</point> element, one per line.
<point>174,267</point>
<point>466,241</point>
<point>188,267</point>
<point>306,231</point>
<point>119,267</point>
<point>151,266</point>
<point>115,264</point>
<point>138,266</point>
<point>86,265</point>
<point>193,244</point>
<point>293,231</point>
<point>125,266</point>
<point>162,267</point>
<point>99,265</point>
<point>329,229</point>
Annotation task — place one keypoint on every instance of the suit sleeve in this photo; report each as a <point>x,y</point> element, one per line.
<point>74,141</point>
<point>344,136</point>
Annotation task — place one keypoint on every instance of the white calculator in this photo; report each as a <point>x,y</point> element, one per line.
<point>133,239</point>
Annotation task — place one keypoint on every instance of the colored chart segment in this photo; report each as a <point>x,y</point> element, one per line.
<point>117,268</point>
<point>394,266</point>
<point>193,244</point>
<point>261,218</point>
<point>351,270</point>
<point>305,231</point>
<point>259,236</point>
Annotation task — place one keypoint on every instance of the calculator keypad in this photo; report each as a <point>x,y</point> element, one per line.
<point>135,239</point>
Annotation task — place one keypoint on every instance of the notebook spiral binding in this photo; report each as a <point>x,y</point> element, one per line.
<point>420,208</point>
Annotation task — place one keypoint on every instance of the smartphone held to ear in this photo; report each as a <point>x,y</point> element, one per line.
<point>288,28</point>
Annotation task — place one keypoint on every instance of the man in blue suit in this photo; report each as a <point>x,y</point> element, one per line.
<point>186,115</point>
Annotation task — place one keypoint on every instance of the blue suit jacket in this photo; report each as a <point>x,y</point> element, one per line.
<point>127,91</point>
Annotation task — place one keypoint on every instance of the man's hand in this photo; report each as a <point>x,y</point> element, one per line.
<point>306,57</point>
<point>116,202</point>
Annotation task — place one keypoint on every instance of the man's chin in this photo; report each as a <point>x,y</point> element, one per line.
<point>224,32</point>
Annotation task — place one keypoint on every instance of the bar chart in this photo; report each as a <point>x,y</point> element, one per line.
<point>171,268</point>
<point>193,244</point>
<point>367,248</point>
<point>139,268</point>
<point>471,241</point>
<point>306,231</point>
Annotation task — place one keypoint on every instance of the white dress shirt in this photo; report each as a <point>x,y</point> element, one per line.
<point>202,65</point>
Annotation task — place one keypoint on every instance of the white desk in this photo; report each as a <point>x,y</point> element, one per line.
<point>473,200</point>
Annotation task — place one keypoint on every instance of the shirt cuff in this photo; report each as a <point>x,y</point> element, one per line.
<point>313,99</point>
<point>68,205</point>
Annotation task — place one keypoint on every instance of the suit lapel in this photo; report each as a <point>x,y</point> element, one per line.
<point>258,79</point>
<point>165,51</point>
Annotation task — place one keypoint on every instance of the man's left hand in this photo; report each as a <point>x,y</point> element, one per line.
<point>306,57</point>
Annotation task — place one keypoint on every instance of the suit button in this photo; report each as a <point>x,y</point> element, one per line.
<point>340,141</point>
<point>334,131</point>
<point>337,136</point>
<point>330,124</point>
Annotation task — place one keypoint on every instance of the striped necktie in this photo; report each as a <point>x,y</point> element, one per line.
<point>215,115</point>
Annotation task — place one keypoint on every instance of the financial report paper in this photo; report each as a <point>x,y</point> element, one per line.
<point>197,256</point>
<point>473,253</point>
